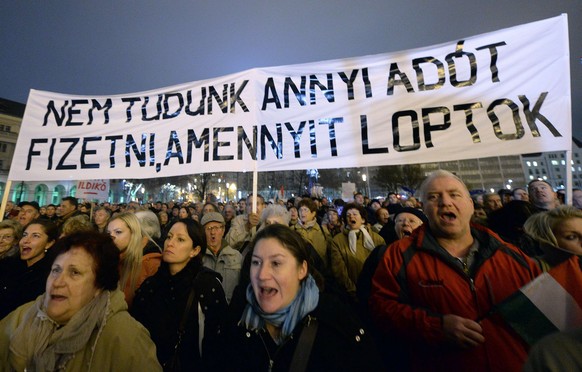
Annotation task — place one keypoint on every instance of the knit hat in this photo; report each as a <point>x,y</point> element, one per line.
<point>417,212</point>
<point>212,217</point>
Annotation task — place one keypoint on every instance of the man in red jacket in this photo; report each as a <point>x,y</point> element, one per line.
<point>436,289</point>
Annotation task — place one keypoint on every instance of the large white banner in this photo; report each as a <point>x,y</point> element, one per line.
<point>501,93</point>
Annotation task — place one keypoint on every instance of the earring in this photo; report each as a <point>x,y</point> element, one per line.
<point>45,250</point>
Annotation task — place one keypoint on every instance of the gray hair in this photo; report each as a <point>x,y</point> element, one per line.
<point>441,173</point>
<point>276,210</point>
<point>149,223</point>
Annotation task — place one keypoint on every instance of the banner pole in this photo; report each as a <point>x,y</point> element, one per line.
<point>569,185</point>
<point>255,182</point>
<point>5,198</point>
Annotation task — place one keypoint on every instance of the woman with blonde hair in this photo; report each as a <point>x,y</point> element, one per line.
<point>558,233</point>
<point>134,266</point>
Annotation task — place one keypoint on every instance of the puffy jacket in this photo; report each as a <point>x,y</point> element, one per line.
<point>418,282</point>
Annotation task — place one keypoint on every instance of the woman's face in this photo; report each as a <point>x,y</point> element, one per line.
<point>33,243</point>
<point>163,218</point>
<point>405,223</point>
<point>6,239</point>
<point>275,275</point>
<point>101,217</point>
<point>332,217</point>
<point>294,214</point>
<point>70,285</point>
<point>354,219</point>
<point>306,215</point>
<point>568,233</point>
<point>179,247</point>
<point>120,233</point>
<point>183,213</point>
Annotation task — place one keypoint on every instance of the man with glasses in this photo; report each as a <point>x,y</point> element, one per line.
<point>219,256</point>
<point>29,211</point>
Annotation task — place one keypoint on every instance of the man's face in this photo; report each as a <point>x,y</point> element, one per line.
<point>26,214</point>
<point>494,202</point>
<point>359,199</point>
<point>541,194</point>
<point>383,216</point>
<point>392,199</point>
<point>260,205</point>
<point>50,211</point>
<point>520,194</point>
<point>67,207</point>
<point>448,207</point>
<point>577,199</point>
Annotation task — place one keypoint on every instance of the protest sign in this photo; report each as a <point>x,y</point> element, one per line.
<point>501,93</point>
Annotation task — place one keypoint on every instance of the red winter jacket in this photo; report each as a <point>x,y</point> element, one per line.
<point>418,282</point>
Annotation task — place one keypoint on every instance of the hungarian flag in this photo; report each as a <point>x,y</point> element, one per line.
<point>552,302</point>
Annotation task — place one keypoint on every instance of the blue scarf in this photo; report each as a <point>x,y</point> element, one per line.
<point>307,298</point>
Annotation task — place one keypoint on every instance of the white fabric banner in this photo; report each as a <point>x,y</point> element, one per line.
<point>502,93</point>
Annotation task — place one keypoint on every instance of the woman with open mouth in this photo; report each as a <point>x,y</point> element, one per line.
<point>350,249</point>
<point>288,324</point>
<point>80,323</point>
<point>25,275</point>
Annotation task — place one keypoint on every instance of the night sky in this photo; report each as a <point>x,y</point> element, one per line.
<point>114,47</point>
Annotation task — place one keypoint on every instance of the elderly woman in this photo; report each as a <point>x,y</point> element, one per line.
<point>350,249</point>
<point>183,304</point>
<point>101,218</point>
<point>10,234</point>
<point>311,231</point>
<point>287,324</point>
<point>23,277</point>
<point>81,322</point>
<point>126,232</point>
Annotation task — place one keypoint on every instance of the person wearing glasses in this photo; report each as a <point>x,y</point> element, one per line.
<point>219,256</point>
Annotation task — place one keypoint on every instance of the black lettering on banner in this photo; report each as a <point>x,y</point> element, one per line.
<point>531,116</point>
<point>32,152</point>
<point>200,109</point>
<point>330,122</point>
<point>396,130</point>
<point>167,97</point>
<point>428,128</point>
<point>61,165</point>
<point>222,102</point>
<point>350,82</point>
<point>493,65</point>
<point>326,90</point>
<point>519,131</point>
<point>198,143</point>
<point>416,64</point>
<point>144,111</point>
<point>152,149</point>
<point>296,134</point>
<point>113,140</point>
<point>395,70</point>
<point>51,109</point>
<point>132,101</point>
<point>51,153</point>
<point>243,138</point>
<point>72,111</point>
<point>96,105</point>
<point>299,92</point>
<point>235,97</point>
<point>458,54</point>
<point>85,151</point>
<point>131,145</point>
<point>365,144</point>
<point>173,140</point>
<point>270,95</point>
<point>312,139</point>
<point>217,144</point>
<point>277,145</point>
<point>468,108</point>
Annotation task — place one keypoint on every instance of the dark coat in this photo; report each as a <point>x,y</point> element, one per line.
<point>341,344</point>
<point>159,305</point>
<point>20,284</point>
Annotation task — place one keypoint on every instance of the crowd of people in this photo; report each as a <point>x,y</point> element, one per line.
<point>304,284</point>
